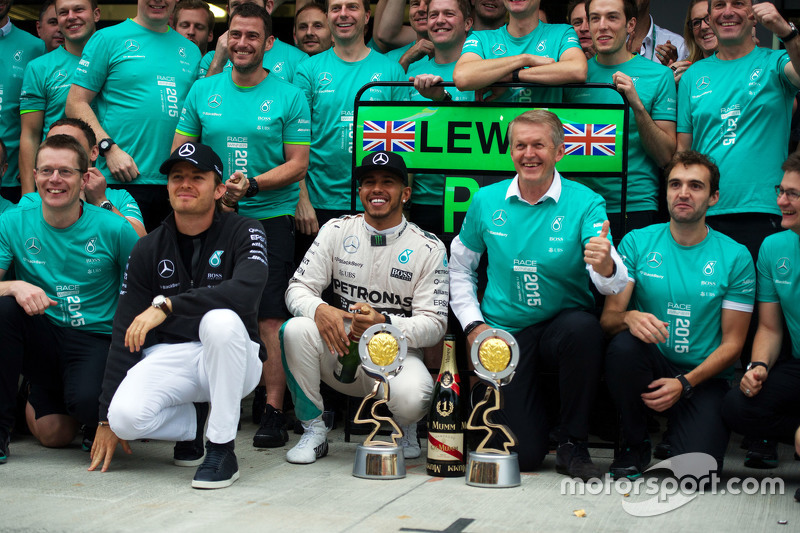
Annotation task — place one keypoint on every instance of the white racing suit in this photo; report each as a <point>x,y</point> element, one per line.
<point>403,274</point>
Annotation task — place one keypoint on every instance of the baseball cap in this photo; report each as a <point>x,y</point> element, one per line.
<point>200,155</point>
<point>383,161</point>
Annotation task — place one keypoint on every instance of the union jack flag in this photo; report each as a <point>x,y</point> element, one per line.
<point>589,139</point>
<point>389,136</point>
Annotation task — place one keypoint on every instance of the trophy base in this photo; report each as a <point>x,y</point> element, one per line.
<point>493,470</point>
<point>379,462</point>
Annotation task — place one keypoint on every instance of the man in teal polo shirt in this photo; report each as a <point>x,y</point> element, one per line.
<point>524,50</point>
<point>280,59</point>
<point>17,49</point>
<point>738,99</point>
<point>767,399</point>
<point>650,90</point>
<point>680,324</point>
<point>139,72</point>
<point>546,238</point>
<point>269,147</point>
<point>48,79</point>
<point>55,318</point>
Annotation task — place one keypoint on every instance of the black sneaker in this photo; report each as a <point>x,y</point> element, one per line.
<point>259,403</point>
<point>219,470</point>
<point>572,459</point>
<point>663,450</point>
<point>88,437</point>
<point>191,452</point>
<point>762,454</point>
<point>272,432</point>
<point>631,461</point>
<point>4,440</point>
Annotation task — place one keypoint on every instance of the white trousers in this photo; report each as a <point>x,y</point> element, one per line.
<point>154,401</point>
<point>308,361</point>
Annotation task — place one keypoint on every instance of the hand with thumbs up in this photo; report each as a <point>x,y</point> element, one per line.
<point>598,252</point>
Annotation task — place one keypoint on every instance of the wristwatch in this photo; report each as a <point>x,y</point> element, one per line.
<point>472,325</point>
<point>160,302</point>
<point>515,75</point>
<point>104,146</point>
<point>107,205</point>
<point>752,364</point>
<point>792,34</point>
<point>687,387</point>
<point>253,189</point>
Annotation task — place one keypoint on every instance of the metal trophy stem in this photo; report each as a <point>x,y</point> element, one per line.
<point>495,355</point>
<point>382,349</point>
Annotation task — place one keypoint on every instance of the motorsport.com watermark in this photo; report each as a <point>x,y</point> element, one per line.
<point>692,474</point>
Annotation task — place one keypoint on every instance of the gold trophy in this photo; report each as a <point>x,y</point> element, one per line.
<point>382,349</point>
<point>495,355</point>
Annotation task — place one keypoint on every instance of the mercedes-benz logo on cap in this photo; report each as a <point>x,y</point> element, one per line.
<point>186,150</point>
<point>499,217</point>
<point>351,244</point>
<point>214,100</point>
<point>131,45</point>
<point>380,159</point>
<point>654,260</point>
<point>166,268</point>
<point>32,246</point>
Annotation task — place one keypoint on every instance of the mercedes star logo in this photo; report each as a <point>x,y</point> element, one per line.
<point>131,45</point>
<point>166,268</point>
<point>186,150</point>
<point>60,75</point>
<point>703,82</point>
<point>654,259</point>
<point>214,100</point>
<point>499,50</point>
<point>783,265</point>
<point>33,246</point>
<point>325,78</point>
<point>499,217</point>
<point>380,159</point>
<point>351,244</point>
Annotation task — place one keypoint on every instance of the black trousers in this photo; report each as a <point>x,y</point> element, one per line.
<point>153,202</point>
<point>571,344</point>
<point>693,424</point>
<point>65,366</point>
<point>774,412</point>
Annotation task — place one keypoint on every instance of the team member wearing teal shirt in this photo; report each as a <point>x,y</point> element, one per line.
<point>17,49</point>
<point>545,237</point>
<point>280,58</point>
<point>140,71</point>
<point>4,204</point>
<point>766,402</point>
<point>406,44</point>
<point>680,324</point>
<point>69,260</point>
<point>96,191</point>
<point>524,50</point>
<point>650,89</point>
<point>270,148</point>
<point>449,21</point>
<point>48,79</point>
<point>330,81</point>
<point>739,98</point>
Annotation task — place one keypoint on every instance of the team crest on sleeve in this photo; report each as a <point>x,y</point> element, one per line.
<point>783,266</point>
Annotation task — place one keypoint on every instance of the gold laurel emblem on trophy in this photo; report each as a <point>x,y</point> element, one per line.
<point>494,355</point>
<point>444,408</point>
<point>383,349</point>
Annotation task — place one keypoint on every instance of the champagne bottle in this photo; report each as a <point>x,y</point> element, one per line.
<point>446,423</point>
<point>348,363</point>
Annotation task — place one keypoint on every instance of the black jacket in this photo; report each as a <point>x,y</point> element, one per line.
<point>229,272</point>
